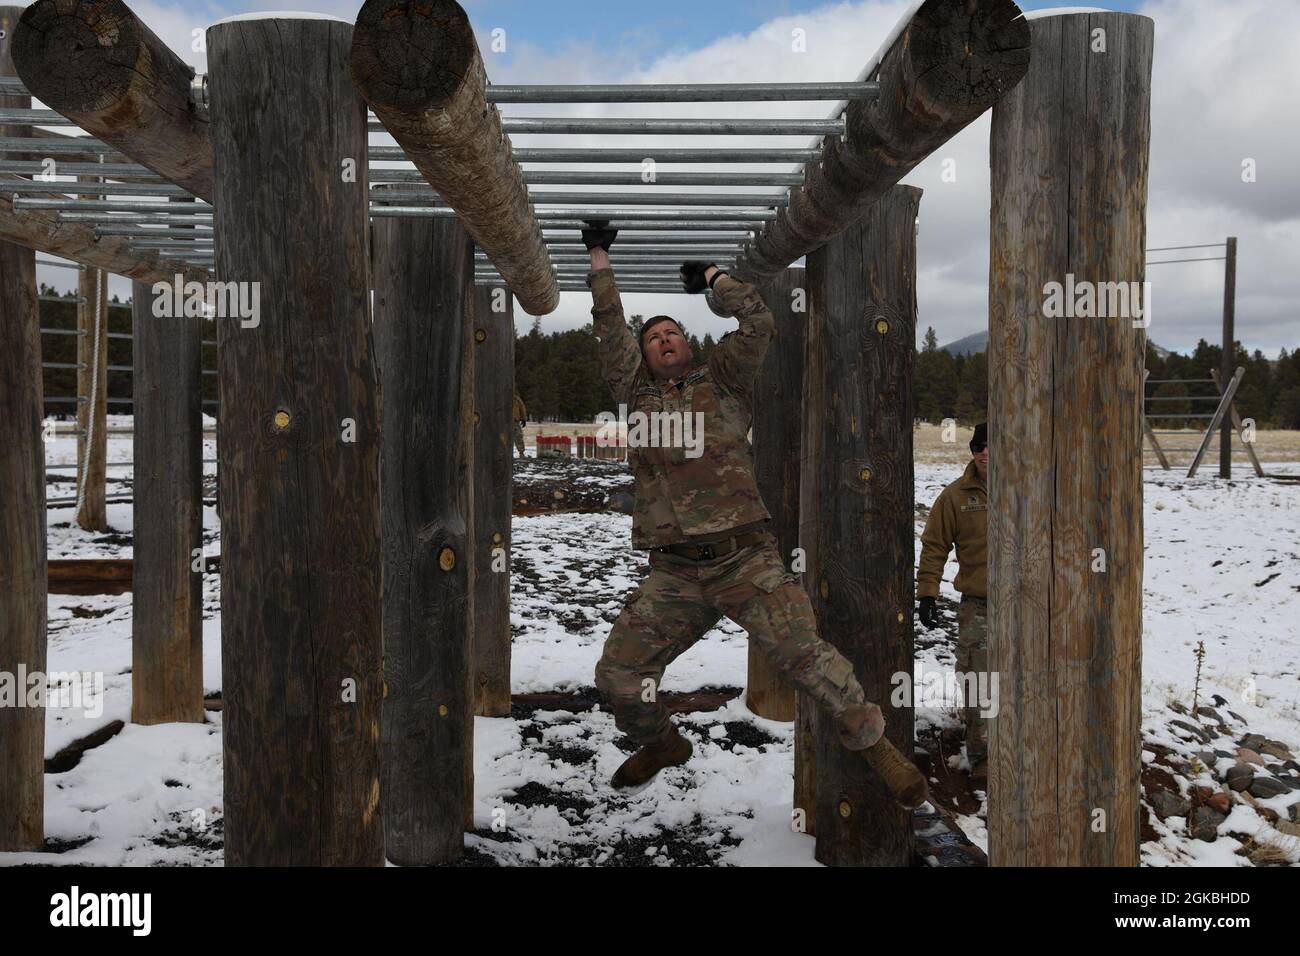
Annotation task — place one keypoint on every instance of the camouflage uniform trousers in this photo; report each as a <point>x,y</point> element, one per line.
<point>681,600</point>
<point>517,431</point>
<point>973,658</point>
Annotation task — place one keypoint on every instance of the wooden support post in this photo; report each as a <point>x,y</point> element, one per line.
<point>778,418</point>
<point>22,522</point>
<point>494,385</point>
<point>167,593</point>
<point>299,450</point>
<point>424,342</point>
<point>1246,443</point>
<point>1220,415</point>
<point>1228,357</point>
<point>92,399</point>
<point>1069,186</point>
<point>98,64</point>
<point>856,509</point>
<point>419,67</point>
<point>953,60</point>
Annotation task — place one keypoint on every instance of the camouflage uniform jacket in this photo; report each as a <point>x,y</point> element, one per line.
<point>519,410</point>
<point>960,517</point>
<point>680,498</point>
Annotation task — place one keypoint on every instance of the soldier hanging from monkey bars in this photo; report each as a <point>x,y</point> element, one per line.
<point>704,524</point>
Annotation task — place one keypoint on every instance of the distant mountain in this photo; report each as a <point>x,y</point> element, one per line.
<point>979,342</point>
<point>976,342</point>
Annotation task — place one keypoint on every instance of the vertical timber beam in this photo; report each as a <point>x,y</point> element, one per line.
<point>857,513</point>
<point>1228,358</point>
<point>778,394</point>
<point>92,398</point>
<point>166,593</point>
<point>1069,185</point>
<point>424,342</point>
<point>299,450</point>
<point>494,378</point>
<point>22,522</point>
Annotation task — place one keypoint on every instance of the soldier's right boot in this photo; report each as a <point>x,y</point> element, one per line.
<point>641,767</point>
<point>905,782</point>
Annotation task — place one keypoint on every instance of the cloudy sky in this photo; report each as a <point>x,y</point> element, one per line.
<point>1227,76</point>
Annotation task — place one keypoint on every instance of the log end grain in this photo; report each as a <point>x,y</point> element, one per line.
<point>414,56</point>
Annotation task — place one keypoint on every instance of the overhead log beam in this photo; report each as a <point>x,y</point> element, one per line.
<point>41,229</point>
<point>96,62</point>
<point>419,67</point>
<point>952,61</point>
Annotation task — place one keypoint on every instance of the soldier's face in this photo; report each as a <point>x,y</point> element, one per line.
<point>666,351</point>
<point>982,462</point>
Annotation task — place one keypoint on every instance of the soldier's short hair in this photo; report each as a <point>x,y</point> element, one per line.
<point>656,320</point>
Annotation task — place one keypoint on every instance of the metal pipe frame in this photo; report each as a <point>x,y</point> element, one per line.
<point>676,154</point>
<point>682,92</point>
<point>159,189</point>
<point>632,92</point>
<point>548,197</point>
<point>620,125</point>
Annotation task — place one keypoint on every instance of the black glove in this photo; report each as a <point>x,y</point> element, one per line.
<point>693,276</point>
<point>598,235</point>
<point>928,612</point>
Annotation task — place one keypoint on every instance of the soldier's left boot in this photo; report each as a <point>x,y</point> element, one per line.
<point>641,767</point>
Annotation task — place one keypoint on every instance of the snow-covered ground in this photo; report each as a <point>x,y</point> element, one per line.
<point>1221,567</point>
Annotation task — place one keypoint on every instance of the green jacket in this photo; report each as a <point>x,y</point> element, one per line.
<point>681,498</point>
<point>960,517</point>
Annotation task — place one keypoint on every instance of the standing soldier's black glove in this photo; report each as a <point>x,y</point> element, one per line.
<point>928,613</point>
<point>598,234</point>
<point>693,276</point>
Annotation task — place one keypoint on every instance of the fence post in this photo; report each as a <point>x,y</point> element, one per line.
<point>424,342</point>
<point>92,398</point>
<point>856,510</point>
<point>1228,358</point>
<point>1068,150</point>
<point>22,520</point>
<point>299,449</point>
<point>494,384</point>
<point>167,510</point>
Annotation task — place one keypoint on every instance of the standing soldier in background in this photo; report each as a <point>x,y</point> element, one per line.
<point>520,416</point>
<point>960,517</point>
<point>705,526</point>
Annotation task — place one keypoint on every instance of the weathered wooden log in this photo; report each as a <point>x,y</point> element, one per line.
<point>40,229</point>
<point>778,418</point>
<point>952,62</point>
<point>92,399</point>
<point>856,510</point>
<point>167,590</point>
<point>99,65</point>
<point>494,388</point>
<point>419,67</point>
<point>424,341</point>
<point>299,452</point>
<point>22,522</point>
<point>1069,184</point>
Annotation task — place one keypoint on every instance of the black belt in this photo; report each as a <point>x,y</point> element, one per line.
<point>715,549</point>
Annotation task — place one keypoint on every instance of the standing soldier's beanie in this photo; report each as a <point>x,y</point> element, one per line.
<point>980,438</point>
